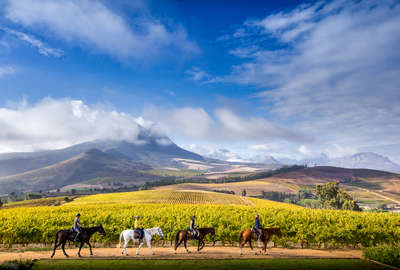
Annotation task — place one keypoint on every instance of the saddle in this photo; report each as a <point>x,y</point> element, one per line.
<point>193,234</point>
<point>137,235</point>
<point>257,233</point>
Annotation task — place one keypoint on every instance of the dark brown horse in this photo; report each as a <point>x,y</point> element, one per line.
<point>62,236</point>
<point>185,235</point>
<point>248,235</point>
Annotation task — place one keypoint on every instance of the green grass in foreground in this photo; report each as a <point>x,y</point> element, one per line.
<point>245,264</point>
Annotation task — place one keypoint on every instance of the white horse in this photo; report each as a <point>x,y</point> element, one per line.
<point>127,235</point>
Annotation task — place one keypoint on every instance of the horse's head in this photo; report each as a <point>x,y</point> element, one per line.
<point>101,230</point>
<point>213,235</point>
<point>159,232</point>
<point>278,232</point>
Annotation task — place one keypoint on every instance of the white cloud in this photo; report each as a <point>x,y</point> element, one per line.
<point>217,153</point>
<point>34,42</point>
<point>90,23</point>
<point>254,128</point>
<point>187,122</point>
<point>264,147</point>
<point>198,74</point>
<point>193,123</point>
<point>54,123</point>
<point>304,150</point>
<point>333,74</point>
<point>6,70</point>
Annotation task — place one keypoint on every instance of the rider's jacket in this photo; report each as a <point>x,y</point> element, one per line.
<point>191,225</point>
<point>76,224</point>
<point>257,224</point>
<point>137,224</point>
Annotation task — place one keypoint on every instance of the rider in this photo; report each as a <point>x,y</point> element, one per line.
<point>77,226</point>
<point>138,227</point>
<point>192,226</point>
<point>257,227</point>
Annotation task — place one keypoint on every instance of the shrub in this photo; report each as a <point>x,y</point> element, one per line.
<point>385,254</point>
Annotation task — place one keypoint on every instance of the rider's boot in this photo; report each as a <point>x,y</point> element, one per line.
<point>76,237</point>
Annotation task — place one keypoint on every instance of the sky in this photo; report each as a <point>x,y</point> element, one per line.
<point>225,79</point>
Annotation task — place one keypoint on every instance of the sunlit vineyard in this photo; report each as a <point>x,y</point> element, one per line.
<point>164,197</point>
<point>299,225</point>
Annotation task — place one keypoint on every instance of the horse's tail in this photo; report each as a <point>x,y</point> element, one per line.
<point>120,239</point>
<point>240,236</point>
<point>56,241</point>
<point>176,238</point>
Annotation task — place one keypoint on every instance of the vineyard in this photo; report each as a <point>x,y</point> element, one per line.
<point>171,210</point>
<point>163,197</point>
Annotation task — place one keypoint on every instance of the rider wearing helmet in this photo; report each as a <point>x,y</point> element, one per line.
<point>138,227</point>
<point>77,226</point>
<point>257,227</point>
<point>192,226</point>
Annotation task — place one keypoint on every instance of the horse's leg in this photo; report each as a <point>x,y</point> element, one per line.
<point>251,247</point>
<point>124,247</point>
<point>266,244</point>
<point>198,245</point>
<point>177,244</point>
<point>63,248</point>
<point>241,244</point>
<point>56,245</point>
<point>90,248</point>
<point>140,246</point>
<point>79,251</point>
<point>149,245</point>
<point>184,243</point>
<point>202,245</point>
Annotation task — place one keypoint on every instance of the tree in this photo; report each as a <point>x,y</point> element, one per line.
<point>330,196</point>
<point>1,203</point>
<point>244,192</point>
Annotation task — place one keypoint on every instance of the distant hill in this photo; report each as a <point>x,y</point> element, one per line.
<point>365,160</point>
<point>329,173</point>
<point>156,151</point>
<point>92,165</point>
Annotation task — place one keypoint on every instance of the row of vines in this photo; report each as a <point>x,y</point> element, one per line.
<point>315,227</point>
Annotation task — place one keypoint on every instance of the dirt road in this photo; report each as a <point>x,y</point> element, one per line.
<point>167,253</point>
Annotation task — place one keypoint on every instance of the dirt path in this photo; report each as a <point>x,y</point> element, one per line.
<point>381,195</point>
<point>167,253</point>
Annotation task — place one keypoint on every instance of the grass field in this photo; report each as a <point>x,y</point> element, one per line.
<point>245,264</point>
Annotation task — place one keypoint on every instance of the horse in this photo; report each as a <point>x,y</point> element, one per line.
<point>249,235</point>
<point>62,236</point>
<point>185,235</point>
<point>128,235</point>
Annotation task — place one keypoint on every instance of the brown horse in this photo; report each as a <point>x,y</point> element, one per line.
<point>248,235</point>
<point>62,236</point>
<point>183,236</point>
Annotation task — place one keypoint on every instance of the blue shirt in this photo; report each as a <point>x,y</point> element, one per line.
<point>76,227</point>
<point>257,224</point>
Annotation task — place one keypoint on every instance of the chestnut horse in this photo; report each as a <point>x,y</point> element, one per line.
<point>183,236</point>
<point>248,235</point>
<point>62,236</point>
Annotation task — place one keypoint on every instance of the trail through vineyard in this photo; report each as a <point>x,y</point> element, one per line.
<point>167,253</point>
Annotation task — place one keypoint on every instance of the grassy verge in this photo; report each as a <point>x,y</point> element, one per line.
<point>245,264</point>
<point>385,254</point>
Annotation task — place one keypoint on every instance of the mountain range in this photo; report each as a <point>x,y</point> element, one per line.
<point>363,160</point>
<point>127,163</point>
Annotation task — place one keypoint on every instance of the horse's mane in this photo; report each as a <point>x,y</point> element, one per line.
<point>272,230</point>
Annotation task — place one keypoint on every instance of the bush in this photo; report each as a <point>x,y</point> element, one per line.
<point>385,254</point>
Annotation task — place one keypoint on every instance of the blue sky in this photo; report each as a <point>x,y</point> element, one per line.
<point>229,80</point>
